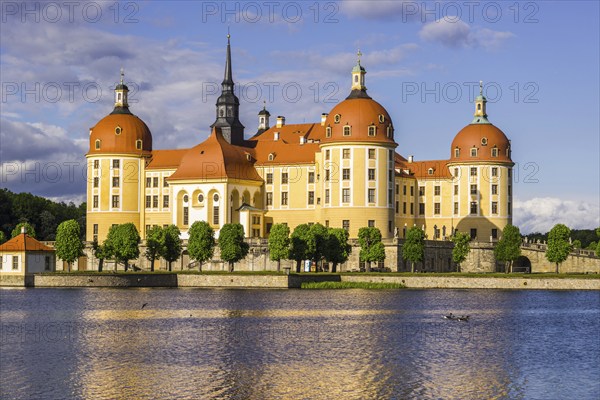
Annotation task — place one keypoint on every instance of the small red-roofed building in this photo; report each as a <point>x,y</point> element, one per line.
<point>23,256</point>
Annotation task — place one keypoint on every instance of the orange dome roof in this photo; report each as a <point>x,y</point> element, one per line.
<point>215,158</point>
<point>120,133</point>
<point>359,113</point>
<point>484,137</point>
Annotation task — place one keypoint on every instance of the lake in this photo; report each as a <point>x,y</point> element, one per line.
<point>298,344</point>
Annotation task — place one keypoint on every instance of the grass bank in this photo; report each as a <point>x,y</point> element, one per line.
<point>351,285</point>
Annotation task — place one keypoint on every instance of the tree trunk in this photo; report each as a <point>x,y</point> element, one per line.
<point>412,267</point>
<point>367,266</point>
<point>278,265</point>
<point>334,267</point>
<point>199,267</point>
<point>298,266</point>
<point>230,266</point>
<point>557,271</point>
<point>126,265</point>
<point>152,265</point>
<point>100,263</point>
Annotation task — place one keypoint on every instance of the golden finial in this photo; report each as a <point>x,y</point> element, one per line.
<point>228,35</point>
<point>122,74</point>
<point>359,55</point>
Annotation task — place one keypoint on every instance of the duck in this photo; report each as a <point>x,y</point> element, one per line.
<point>464,318</point>
<point>449,316</point>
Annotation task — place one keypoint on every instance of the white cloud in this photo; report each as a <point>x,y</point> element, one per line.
<point>542,213</point>
<point>452,32</point>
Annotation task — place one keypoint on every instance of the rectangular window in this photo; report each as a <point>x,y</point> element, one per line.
<point>509,208</point>
<point>436,190</point>
<point>509,173</point>
<point>371,223</point>
<point>412,190</point>
<point>346,224</point>
<point>269,198</point>
<point>371,195</point>
<point>148,182</point>
<point>404,208</point>
<point>510,190</point>
<point>327,154</point>
<point>473,233</point>
<point>473,171</point>
<point>345,154</point>
<point>494,189</point>
<point>473,189</point>
<point>115,201</point>
<point>494,207</point>
<point>398,207</point>
<point>166,201</point>
<point>15,262</point>
<point>269,178</point>
<point>115,181</point>
<point>326,223</point>
<point>96,182</point>
<point>216,215</point>
<point>155,201</point>
<point>473,152</point>
<point>403,190</point>
<point>473,207</point>
<point>456,190</point>
<point>95,231</point>
<point>147,228</point>
<point>412,208</point>
<point>391,155</point>
<point>371,154</point>
<point>284,178</point>
<point>327,175</point>
<point>346,174</point>
<point>284,198</point>
<point>455,207</point>
<point>96,164</point>
<point>326,196</point>
<point>391,175</point>
<point>186,215</point>
<point>148,201</point>
<point>95,201</point>
<point>494,171</point>
<point>155,181</point>
<point>456,170</point>
<point>311,177</point>
<point>436,208</point>
<point>47,263</point>
<point>371,174</point>
<point>165,183</point>
<point>390,196</point>
<point>456,152</point>
<point>1,262</point>
<point>345,195</point>
<point>494,233</point>
<point>116,164</point>
<point>311,197</point>
<point>494,152</point>
<point>421,208</point>
<point>421,190</point>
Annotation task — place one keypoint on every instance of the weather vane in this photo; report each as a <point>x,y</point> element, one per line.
<point>122,74</point>
<point>359,54</point>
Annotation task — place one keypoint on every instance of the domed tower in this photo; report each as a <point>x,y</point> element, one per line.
<point>481,164</point>
<point>120,143</point>
<point>358,162</point>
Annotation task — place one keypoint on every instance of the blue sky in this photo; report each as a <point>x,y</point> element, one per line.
<point>539,62</point>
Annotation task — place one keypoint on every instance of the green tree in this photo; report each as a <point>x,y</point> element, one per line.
<point>155,239</point>
<point>338,250</point>
<point>461,248</point>
<point>201,242</point>
<point>279,243</point>
<point>413,248</point>
<point>101,252</point>
<point>28,229</point>
<point>301,244</point>
<point>123,242</point>
<point>68,243</point>
<point>2,237</point>
<point>371,246</point>
<point>576,244</point>
<point>318,237</point>
<point>232,245</point>
<point>558,245</point>
<point>172,245</point>
<point>508,248</point>
<point>48,225</point>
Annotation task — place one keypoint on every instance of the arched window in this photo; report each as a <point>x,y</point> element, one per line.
<point>479,106</point>
<point>456,152</point>
<point>271,156</point>
<point>97,144</point>
<point>372,130</point>
<point>328,131</point>
<point>138,144</point>
<point>347,130</point>
<point>474,152</point>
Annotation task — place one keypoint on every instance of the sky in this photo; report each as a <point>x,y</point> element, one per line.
<point>539,63</point>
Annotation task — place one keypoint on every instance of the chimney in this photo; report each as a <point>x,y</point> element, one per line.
<point>276,134</point>
<point>323,118</point>
<point>410,159</point>
<point>280,121</point>
<point>23,230</point>
<point>302,140</point>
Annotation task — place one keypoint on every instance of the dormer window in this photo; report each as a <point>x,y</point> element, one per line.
<point>372,130</point>
<point>118,130</point>
<point>347,130</point>
<point>456,152</point>
<point>271,156</point>
<point>328,131</point>
<point>381,118</point>
<point>494,151</point>
<point>390,132</point>
<point>138,144</point>
<point>474,152</point>
<point>430,171</point>
<point>248,157</point>
<point>337,118</point>
<point>97,144</point>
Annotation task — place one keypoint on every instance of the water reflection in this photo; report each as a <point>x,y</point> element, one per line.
<point>100,344</point>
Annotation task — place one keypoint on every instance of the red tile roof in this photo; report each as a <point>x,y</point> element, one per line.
<point>166,159</point>
<point>24,242</point>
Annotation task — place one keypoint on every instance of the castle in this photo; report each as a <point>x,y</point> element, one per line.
<point>342,171</point>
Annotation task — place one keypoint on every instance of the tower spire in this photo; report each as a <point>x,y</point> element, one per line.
<point>121,90</point>
<point>358,79</point>
<point>228,78</point>
<point>480,103</point>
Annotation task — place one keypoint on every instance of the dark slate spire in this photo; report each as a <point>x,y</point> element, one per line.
<point>228,106</point>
